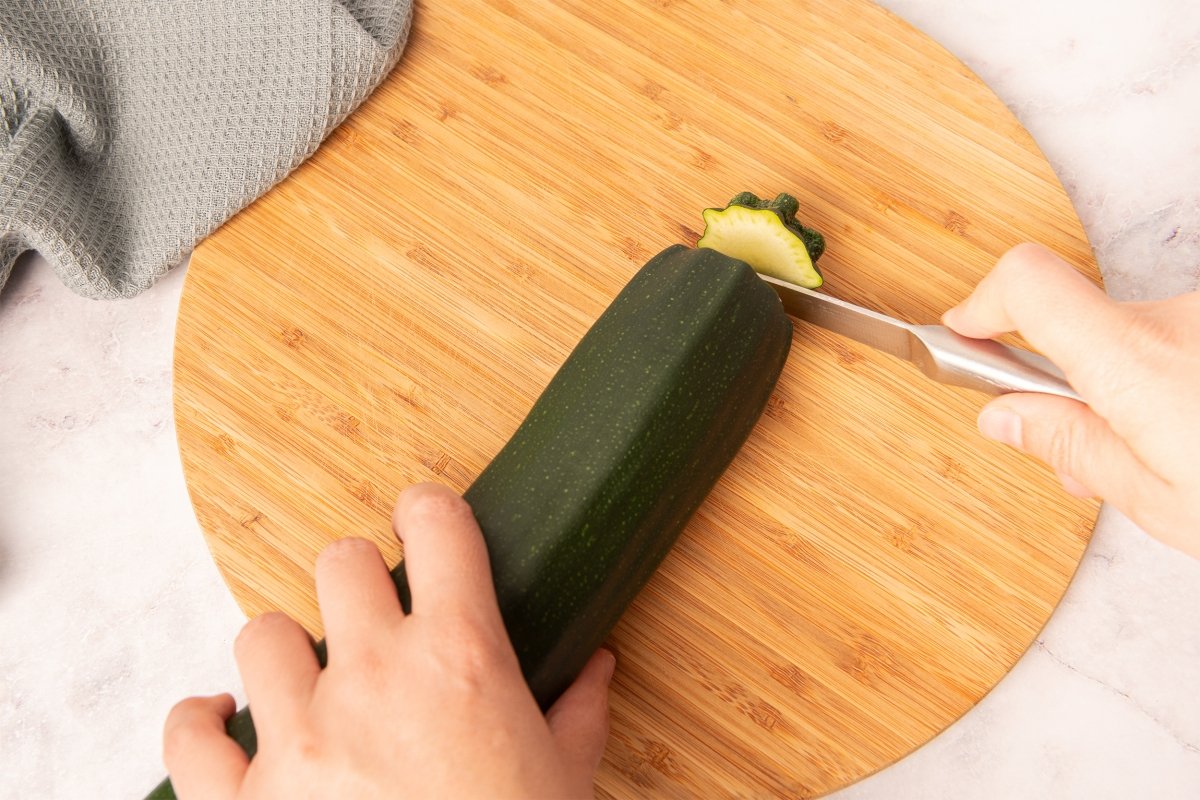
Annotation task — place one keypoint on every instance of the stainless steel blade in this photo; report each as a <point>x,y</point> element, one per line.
<point>939,352</point>
<point>861,324</point>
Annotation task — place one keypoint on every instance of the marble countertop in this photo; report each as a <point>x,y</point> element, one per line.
<point>111,609</point>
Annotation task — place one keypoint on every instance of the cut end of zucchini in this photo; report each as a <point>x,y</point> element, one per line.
<point>766,236</point>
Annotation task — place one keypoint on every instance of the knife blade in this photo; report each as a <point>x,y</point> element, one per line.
<point>948,357</point>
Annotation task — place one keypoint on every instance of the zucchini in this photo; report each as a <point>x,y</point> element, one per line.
<point>618,452</point>
<point>766,235</point>
<point>622,447</point>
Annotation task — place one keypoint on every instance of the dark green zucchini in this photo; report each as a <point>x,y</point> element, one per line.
<point>624,444</point>
<point>622,447</point>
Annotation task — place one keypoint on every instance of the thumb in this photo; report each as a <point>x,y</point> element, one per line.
<point>1078,444</point>
<point>578,720</point>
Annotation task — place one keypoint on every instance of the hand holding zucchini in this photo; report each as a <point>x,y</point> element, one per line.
<point>582,504</point>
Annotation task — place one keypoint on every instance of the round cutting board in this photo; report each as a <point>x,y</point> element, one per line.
<point>868,567</point>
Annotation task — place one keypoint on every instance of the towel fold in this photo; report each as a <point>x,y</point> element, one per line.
<point>131,129</point>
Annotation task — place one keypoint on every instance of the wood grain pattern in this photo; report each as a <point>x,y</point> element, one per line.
<point>867,569</point>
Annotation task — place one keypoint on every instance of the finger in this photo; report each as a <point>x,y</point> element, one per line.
<point>445,555</point>
<point>202,760</point>
<point>1024,291</point>
<point>1076,443</point>
<point>578,720</point>
<point>357,596</point>
<point>279,670</point>
<point>1058,311</point>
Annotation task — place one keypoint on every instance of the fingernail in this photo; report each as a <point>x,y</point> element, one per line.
<point>610,664</point>
<point>1002,425</point>
<point>951,317</point>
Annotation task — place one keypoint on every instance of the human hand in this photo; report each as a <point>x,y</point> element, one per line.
<point>429,704</point>
<point>1137,441</point>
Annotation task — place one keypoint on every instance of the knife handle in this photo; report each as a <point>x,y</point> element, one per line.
<point>985,364</point>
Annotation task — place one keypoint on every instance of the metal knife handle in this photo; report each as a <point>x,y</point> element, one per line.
<point>985,364</point>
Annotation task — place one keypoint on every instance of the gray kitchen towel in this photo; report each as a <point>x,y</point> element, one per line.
<point>131,129</point>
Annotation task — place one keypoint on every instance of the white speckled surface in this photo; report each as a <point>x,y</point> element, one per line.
<point>110,608</point>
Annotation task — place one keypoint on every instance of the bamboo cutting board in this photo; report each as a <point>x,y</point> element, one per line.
<point>869,566</point>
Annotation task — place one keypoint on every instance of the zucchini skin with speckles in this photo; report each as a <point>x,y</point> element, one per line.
<point>621,448</point>
<point>581,505</point>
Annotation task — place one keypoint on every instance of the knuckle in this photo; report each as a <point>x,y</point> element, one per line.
<point>1148,346</point>
<point>310,749</point>
<point>307,743</point>
<point>473,654</point>
<point>439,503</point>
<point>179,732</point>
<point>1060,446</point>
<point>264,625</point>
<point>370,666</point>
<point>182,711</point>
<point>1023,261</point>
<point>1151,333</point>
<point>349,548</point>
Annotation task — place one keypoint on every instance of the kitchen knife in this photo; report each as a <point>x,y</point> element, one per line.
<point>939,352</point>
